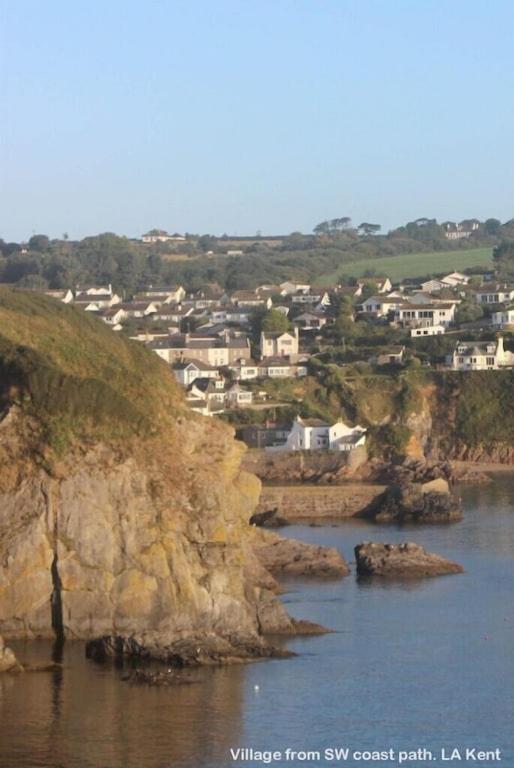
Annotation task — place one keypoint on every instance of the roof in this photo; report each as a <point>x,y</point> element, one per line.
<point>474,347</point>
<point>276,334</point>
<point>283,361</point>
<point>191,361</point>
<point>313,423</point>
<point>434,306</point>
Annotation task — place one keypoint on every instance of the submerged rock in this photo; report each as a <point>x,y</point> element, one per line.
<point>269,518</point>
<point>290,557</point>
<point>374,558</point>
<point>8,660</point>
<point>430,502</point>
<point>192,651</point>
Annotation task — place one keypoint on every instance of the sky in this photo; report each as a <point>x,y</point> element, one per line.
<point>214,116</point>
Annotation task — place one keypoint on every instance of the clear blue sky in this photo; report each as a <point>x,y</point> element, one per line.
<point>223,116</point>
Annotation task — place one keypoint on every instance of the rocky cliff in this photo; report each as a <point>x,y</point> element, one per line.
<point>121,513</point>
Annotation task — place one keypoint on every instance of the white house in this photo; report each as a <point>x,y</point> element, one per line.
<point>480,356</point>
<point>494,293</point>
<point>455,279</point>
<point>424,315</point>
<point>244,369</point>
<point>380,306</point>
<point>430,330</point>
<point>317,435</point>
<point>236,396</point>
<point>161,236</point>
<point>433,285</point>
<point>503,318</point>
<point>187,371</point>
<point>279,344</point>
<point>289,288</point>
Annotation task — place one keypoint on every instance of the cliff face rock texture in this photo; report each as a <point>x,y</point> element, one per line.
<point>121,513</point>
<point>375,558</point>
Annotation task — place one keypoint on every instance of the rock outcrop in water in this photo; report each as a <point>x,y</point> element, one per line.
<point>122,514</point>
<point>374,558</point>
<point>431,502</point>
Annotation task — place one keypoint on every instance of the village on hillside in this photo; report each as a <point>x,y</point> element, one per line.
<point>223,346</point>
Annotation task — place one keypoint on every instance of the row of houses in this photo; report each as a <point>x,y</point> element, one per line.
<point>304,435</point>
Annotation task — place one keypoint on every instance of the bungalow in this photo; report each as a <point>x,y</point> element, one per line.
<point>424,315</point>
<point>172,313</point>
<point>244,369</point>
<point>187,371</point>
<point>310,320</point>
<point>279,344</point>
<point>250,299</point>
<point>236,396</point>
<point>494,293</point>
<point>171,294</point>
<point>389,356</point>
<point>138,308</point>
<point>480,356</point>
<point>257,436</point>
<point>431,330</point>
<point>315,298</point>
<point>316,435</point>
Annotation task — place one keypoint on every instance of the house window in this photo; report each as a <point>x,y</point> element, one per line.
<point>490,360</point>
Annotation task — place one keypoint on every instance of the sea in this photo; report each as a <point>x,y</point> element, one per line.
<point>413,673</point>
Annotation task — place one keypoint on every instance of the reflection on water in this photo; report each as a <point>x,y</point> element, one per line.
<point>411,664</point>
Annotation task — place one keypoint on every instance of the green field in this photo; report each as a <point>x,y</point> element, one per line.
<point>412,265</point>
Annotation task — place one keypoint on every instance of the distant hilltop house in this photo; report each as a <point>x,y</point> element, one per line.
<point>318,435</point>
<point>161,236</point>
<point>480,356</point>
<point>454,231</point>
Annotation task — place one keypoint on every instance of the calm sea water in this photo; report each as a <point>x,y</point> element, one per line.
<point>410,665</point>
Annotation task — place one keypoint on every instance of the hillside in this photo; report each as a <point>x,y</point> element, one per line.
<point>121,513</point>
<point>412,265</point>
<point>444,414</point>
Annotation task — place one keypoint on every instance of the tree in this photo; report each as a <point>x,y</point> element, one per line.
<point>40,243</point>
<point>369,229</point>
<point>492,226</point>
<point>503,256</point>
<point>274,321</point>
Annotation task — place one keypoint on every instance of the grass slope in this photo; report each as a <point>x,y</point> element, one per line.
<point>76,376</point>
<point>413,265</point>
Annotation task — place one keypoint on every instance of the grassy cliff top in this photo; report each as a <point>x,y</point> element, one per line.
<point>76,376</point>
